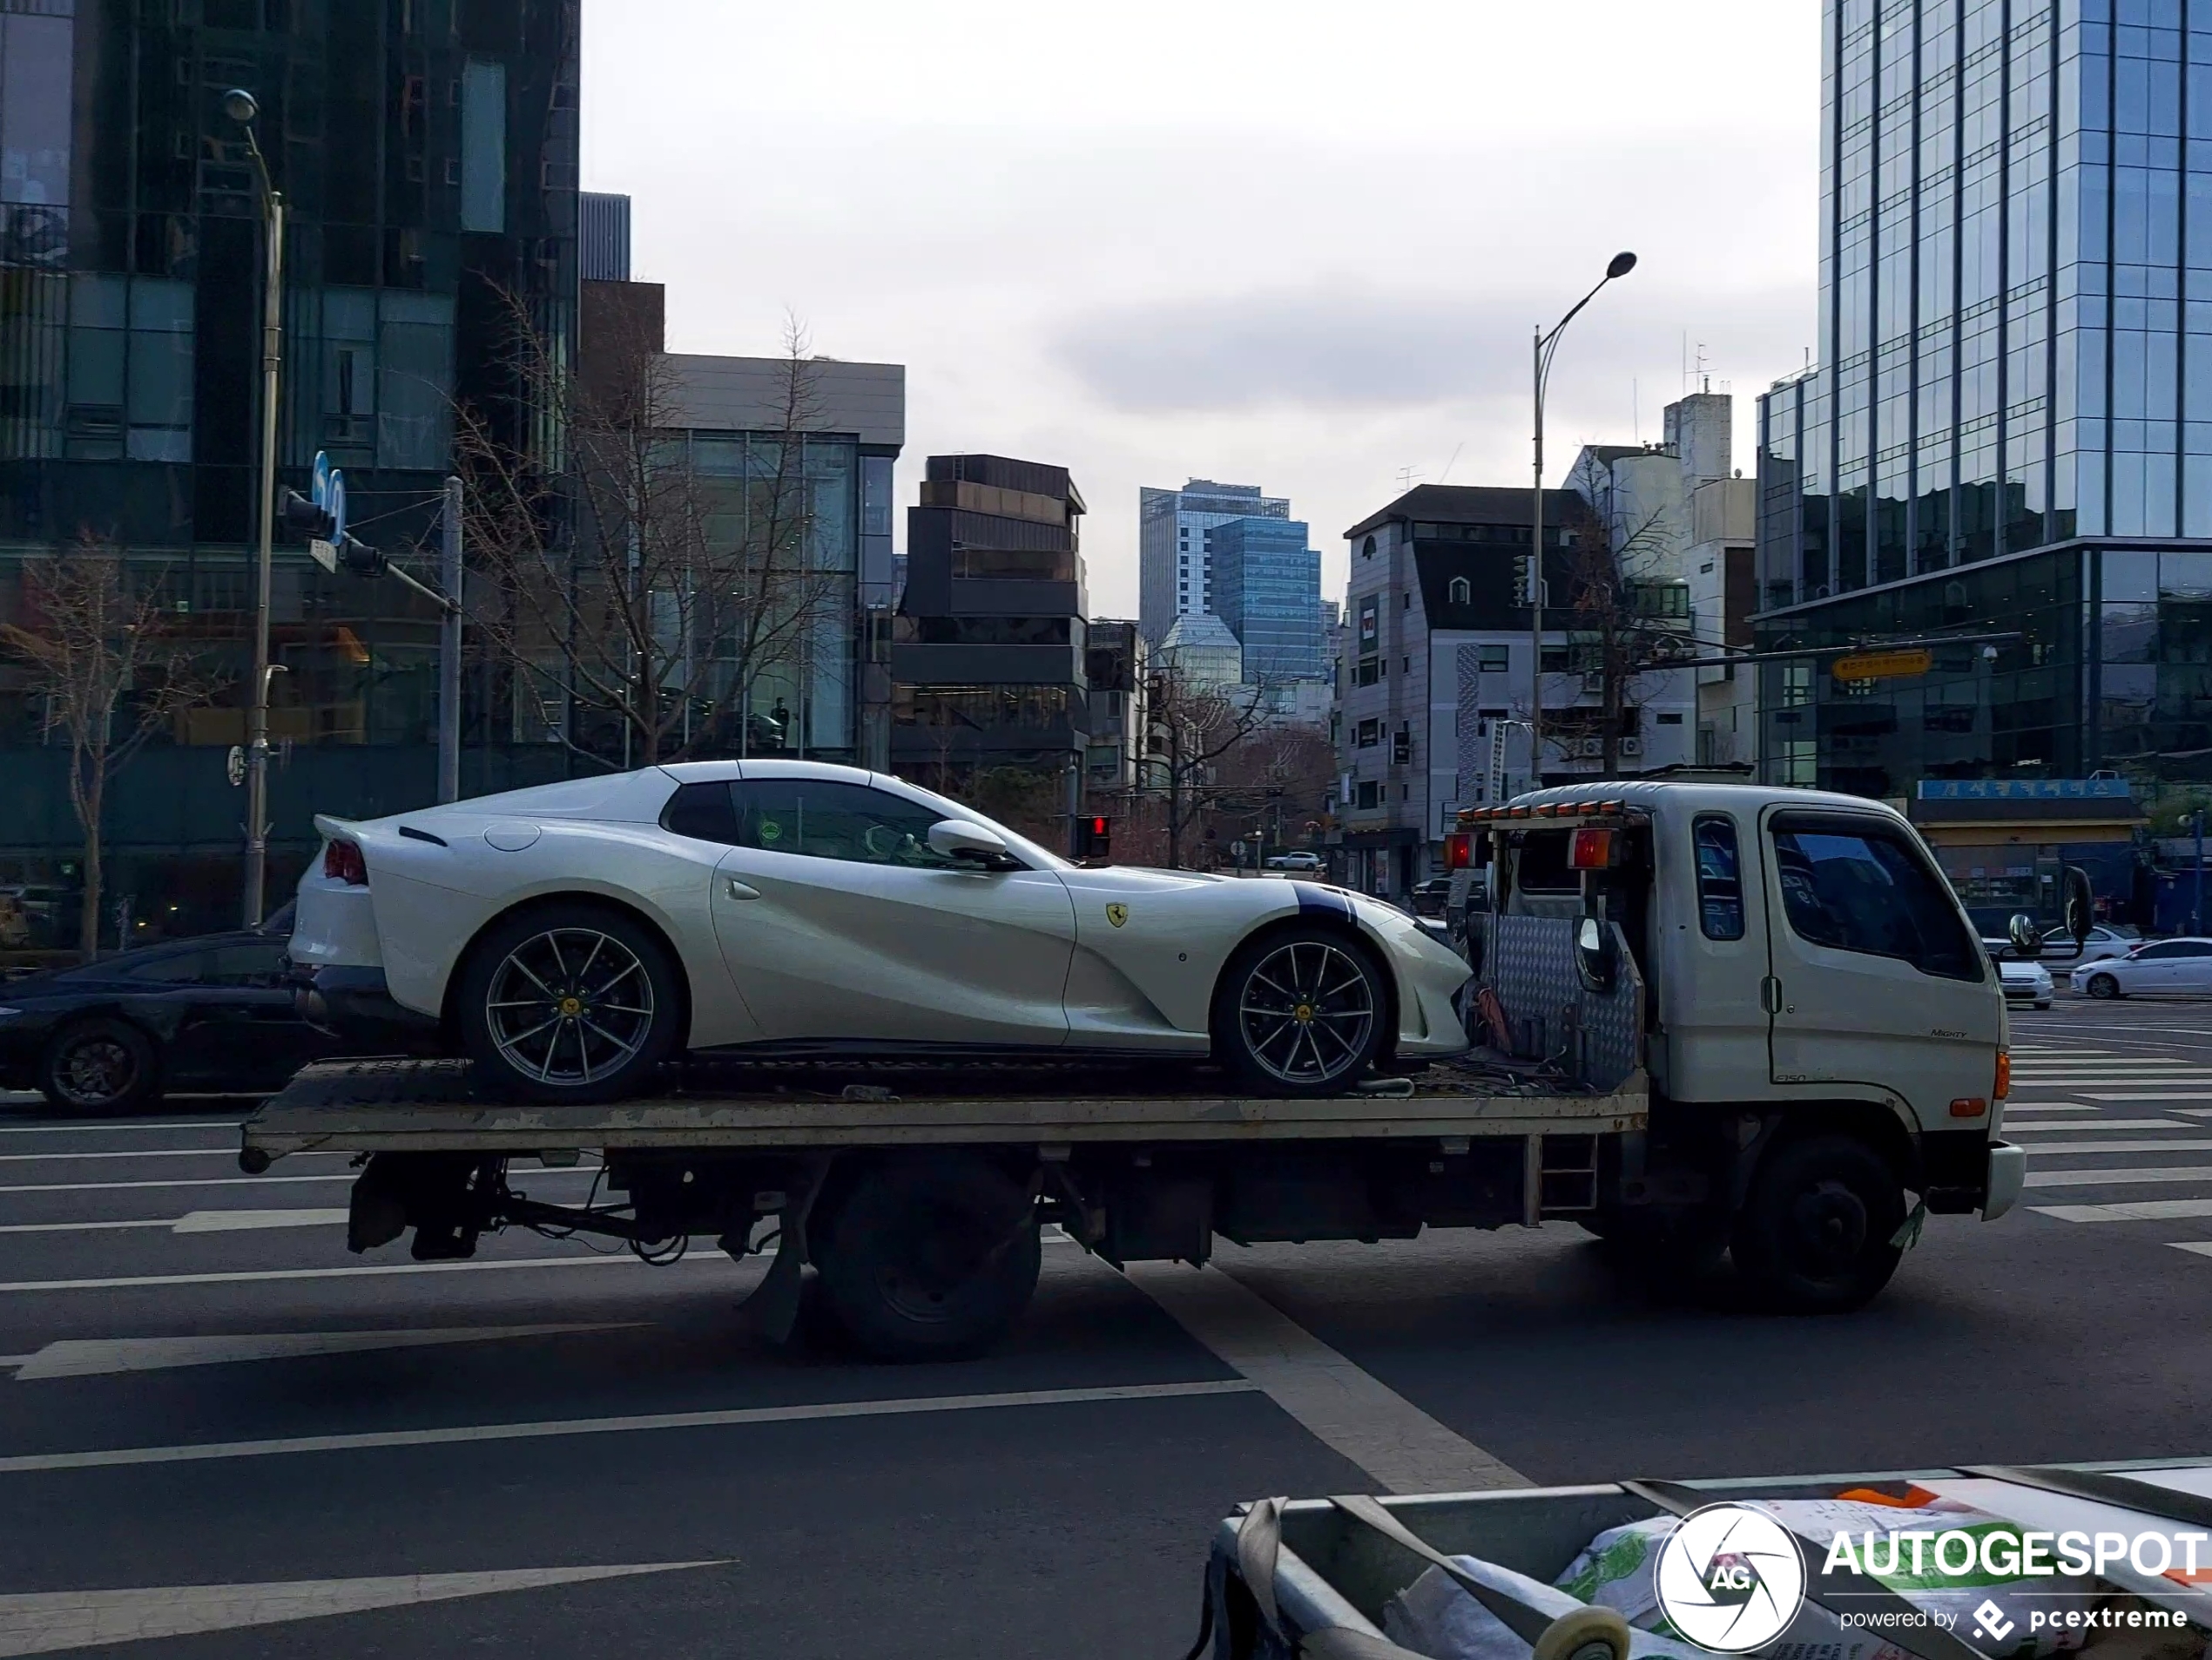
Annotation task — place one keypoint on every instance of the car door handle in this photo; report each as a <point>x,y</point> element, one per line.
<point>737,889</point>
<point>1770,995</point>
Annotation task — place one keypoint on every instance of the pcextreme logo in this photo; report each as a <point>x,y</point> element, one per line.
<point>1730,1578</point>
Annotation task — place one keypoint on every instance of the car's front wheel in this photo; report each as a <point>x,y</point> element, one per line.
<point>573,1001</point>
<point>2103,985</point>
<point>100,1066</point>
<point>1300,1012</point>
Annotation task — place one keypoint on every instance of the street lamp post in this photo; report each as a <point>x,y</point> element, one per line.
<point>241,107</point>
<point>1547,345</point>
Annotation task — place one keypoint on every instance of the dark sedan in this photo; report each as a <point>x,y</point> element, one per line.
<point>211,1016</point>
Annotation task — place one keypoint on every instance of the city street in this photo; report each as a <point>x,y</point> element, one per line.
<point>225,1436</point>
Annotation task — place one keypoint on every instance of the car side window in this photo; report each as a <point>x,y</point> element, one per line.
<point>702,812</point>
<point>2157,953</point>
<point>1720,884</point>
<point>1853,886</point>
<point>825,820</point>
<point>259,962</point>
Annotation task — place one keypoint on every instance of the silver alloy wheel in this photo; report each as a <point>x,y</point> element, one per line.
<point>1306,1010</point>
<point>568,1006</point>
<point>95,1072</point>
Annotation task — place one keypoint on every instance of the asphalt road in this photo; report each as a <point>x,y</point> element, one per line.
<point>229,1440</point>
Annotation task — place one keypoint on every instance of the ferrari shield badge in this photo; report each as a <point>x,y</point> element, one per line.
<point>1117,914</point>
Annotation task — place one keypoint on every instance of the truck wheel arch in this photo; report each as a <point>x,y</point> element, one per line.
<point>1877,1125</point>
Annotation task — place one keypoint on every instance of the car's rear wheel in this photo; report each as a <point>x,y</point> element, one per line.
<point>2103,985</point>
<point>573,1001</point>
<point>103,1066</point>
<point>1300,1012</point>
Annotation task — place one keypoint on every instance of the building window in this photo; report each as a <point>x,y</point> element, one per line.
<point>1496,659</point>
<point>1401,748</point>
<point>484,146</point>
<point>1368,672</point>
<point>1370,793</point>
<point>1368,549</point>
<point>1461,592</point>
<point>1369,733</point>
<point>1670,720</point>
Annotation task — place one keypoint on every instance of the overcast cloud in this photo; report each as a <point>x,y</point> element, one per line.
<point>1291,244</point>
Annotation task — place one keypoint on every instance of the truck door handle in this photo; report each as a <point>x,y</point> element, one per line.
<point>737,889</point>
<point>1770,995</point>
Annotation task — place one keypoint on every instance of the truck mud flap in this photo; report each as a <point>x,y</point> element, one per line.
<point>773,1306</point>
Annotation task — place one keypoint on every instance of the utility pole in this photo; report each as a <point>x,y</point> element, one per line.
<point>449,649</point>
<point>240,106</point>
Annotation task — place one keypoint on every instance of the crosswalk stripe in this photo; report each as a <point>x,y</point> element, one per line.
<point>2200,1247</point>
<point>2141,1210</point>
<point>2119,1177</point>
<point>2199,1145</point>
<point>2012,1107</point>
<point>2100,1123</point>
<point>2191,1093</point>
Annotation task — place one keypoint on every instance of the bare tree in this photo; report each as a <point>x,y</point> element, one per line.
<point>96,637</point>
<point>634,580</point>
<point>1623,625</point>
<point>1195,723</point>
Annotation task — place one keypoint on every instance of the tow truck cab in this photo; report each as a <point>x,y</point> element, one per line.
<point>1808,976</point>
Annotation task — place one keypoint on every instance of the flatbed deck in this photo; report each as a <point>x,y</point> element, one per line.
<point>418,1106</point>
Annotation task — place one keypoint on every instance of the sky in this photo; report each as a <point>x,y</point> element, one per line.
<point>1288,244</point>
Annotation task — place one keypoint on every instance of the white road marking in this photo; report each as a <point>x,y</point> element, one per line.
<point>2118,1176</point>
<point>113,1128</point>
<point>79,1227</point>
<point>2142,1211</point>
<point>101,1357</point>
<point>2198,1247</point>
<point>2203,1093</point>
<point>122,1281</point>
<point>149,1152</point>
<point>728,1418</point>
<point>232,1181</point>
<point>2012,1107</point>
<point>2197,1146</point>
<point>2098,1124</point>
<point>51,1622</point>
<point>1355,1413</point>
<point>239,1221</point>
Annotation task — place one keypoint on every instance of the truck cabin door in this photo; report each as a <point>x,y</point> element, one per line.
<point>1874,977</point>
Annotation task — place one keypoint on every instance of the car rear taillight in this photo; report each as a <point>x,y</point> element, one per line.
<point>342,861</point>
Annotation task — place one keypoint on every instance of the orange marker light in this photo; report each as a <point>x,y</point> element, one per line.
<point>2004,1084</point>
<point>1972,1106</point>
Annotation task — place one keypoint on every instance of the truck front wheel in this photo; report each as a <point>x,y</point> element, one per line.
<point>1814,1234</point>
<point>930,1259</point>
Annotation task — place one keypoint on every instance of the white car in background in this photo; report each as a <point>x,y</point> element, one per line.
<point>1298,859</point>
<point>2029,982</point>
<point>2169,968</point>
<point>570,938</point>
<point>2105,941</point>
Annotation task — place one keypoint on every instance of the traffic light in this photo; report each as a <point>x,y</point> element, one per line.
<point>1094,837</point>
<point>305,519</point>
<point>357,559</point>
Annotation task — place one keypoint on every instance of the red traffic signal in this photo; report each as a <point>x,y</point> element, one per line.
<point>1094,836</point>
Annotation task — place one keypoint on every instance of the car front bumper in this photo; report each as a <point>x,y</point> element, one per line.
<point>354,1005</point>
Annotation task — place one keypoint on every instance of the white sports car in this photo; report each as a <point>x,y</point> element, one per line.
<point>570,938</point>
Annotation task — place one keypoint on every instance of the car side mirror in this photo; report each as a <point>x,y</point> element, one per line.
<point>2081,906</point>
<point>971,844</point>
<point>1594,954</point>
<point>2026,938</point>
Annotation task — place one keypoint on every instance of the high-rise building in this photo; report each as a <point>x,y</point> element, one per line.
<point>1175,530</point>
<point>988,658</point>
<point>1267,589</point>
<point>428,158</point>
<point>602,237</point>
<point>2009,428</point>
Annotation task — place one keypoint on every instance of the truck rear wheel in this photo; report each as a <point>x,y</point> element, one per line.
<point>1814,1234</point>
<point>929,1259</point>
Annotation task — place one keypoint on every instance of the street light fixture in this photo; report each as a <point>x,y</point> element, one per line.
<point>242,107</point>
<point>1547,345</point>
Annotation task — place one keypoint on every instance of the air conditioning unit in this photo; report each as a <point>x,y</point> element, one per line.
<point>1590,749</point>
<point>1632,749</point>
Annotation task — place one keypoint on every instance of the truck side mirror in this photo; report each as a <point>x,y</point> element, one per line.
<point>2026,938</point>
<point>1594,954</point>
<point>2081,906</point>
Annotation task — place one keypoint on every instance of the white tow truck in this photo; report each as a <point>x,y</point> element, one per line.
<point>1704,1017</point>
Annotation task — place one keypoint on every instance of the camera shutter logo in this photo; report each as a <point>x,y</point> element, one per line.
<point>1730,1578</point>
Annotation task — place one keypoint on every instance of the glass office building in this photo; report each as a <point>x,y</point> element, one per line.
<point>1267,588</point>
<point>2009,429</point>
<point>427,153</point>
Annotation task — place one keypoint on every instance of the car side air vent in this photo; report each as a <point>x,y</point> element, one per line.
<point>414,835</point>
